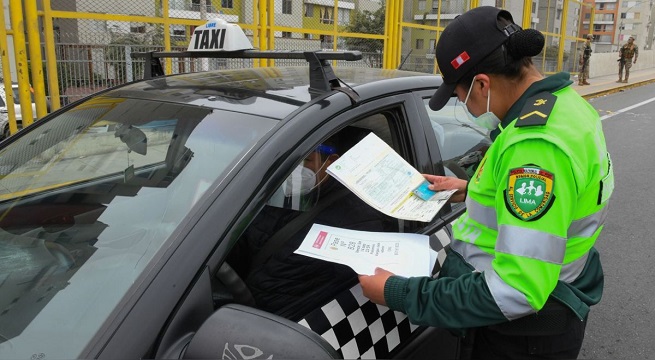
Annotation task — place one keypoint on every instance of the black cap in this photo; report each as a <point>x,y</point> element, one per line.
<point>467,40</point>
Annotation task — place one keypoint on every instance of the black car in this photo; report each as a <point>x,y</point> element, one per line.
<point>134,222</point>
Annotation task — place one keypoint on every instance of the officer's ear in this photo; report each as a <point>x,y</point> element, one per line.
<point>482,84</point>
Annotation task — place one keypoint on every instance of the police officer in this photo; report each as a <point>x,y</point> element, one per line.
<point>522,270</point>
<point>585,60</point>
<point>628,55</point>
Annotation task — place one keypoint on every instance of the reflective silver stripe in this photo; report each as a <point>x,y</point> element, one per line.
<point>477,258</point>
<point>587,226</point>
<point>485,215</point>
<point>571,271</point>
<point>511,302</point>
<point>531,243</point>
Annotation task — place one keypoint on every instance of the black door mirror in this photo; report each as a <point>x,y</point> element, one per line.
<point>240,332</point>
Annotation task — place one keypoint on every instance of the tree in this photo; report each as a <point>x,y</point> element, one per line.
<point>367,22</point>
<point>552,52</point>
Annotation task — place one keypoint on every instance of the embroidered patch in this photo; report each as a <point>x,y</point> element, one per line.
<point>460,60</point>
<point>529,192</point>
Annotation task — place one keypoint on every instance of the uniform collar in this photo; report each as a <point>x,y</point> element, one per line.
<point>551,84</point>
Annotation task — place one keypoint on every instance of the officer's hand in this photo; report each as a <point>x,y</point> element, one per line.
<point>373,285</point>
<point>438,183</point>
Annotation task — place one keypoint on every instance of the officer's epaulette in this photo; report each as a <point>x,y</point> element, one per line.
<point>536,110</point>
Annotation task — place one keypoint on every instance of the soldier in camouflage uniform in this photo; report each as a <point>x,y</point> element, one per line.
<point>628,54</point>
<point>585,56</point>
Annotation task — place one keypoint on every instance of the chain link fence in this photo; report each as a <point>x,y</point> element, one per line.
<point>87,44</point>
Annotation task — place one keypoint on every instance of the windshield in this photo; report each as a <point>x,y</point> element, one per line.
<point>88,198</point>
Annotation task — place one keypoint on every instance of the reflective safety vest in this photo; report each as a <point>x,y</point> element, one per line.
<point>536,205</point>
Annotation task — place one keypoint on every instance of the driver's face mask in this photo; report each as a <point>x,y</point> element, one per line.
<point>301,182</point>
<point>488,120</point>
<point>300,190</point>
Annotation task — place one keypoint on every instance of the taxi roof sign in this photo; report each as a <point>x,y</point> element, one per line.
<point>218,35</point>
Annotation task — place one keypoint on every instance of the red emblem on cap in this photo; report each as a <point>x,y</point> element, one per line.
<point>460,60</point>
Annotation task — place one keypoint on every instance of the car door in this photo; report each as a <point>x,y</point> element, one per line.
<point>354,326</point>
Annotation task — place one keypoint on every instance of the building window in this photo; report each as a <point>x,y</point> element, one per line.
<point>286,34</point>
<point>195,5</point>
<point>421,5</point>
<point>140,29</point>
<point>286,6</point>
<point>344,16</point>
<point>309,10</point>
<point>419,44</point>
<point>227,4</point>
<point>432,44</point>
<point>623,15</point>
<point>534,7</point>
<point>309,36</point>
<point>435,7</point>
<point>326,15</point>
<point>587,16</point>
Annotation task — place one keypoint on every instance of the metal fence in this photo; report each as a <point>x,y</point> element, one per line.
<point>64,50</point>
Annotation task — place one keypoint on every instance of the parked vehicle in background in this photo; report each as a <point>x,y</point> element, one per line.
<point>4,113</point>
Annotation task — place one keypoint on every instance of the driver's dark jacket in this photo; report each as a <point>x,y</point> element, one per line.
<point>292,285</point>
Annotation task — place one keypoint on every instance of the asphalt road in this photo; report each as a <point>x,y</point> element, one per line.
<point>622,326</point>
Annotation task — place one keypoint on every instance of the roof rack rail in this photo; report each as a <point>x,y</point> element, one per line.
<point>321,75</point>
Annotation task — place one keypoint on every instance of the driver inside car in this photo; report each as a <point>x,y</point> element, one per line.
<point>289,284</point>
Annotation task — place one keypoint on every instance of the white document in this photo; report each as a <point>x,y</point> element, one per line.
<point>402,254</point>
<point>384,180</point>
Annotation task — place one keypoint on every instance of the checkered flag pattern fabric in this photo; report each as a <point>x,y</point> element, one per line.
<point>358,328</point>
<point>440,242</point>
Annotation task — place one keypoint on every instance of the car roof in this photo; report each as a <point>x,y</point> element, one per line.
<point>272,92</point>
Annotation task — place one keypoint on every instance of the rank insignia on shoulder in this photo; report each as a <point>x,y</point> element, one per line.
<point>529,192</point>
<point>536,110</point>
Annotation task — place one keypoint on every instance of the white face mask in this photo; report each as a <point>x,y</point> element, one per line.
<point>488,120</point>
<point>301,182</point>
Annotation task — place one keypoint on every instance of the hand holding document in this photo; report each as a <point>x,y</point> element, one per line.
<point>384,180</point>
<point>401,253</point>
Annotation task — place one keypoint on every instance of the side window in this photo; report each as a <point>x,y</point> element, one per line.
<point>293,285</point>
<point>461,142</point>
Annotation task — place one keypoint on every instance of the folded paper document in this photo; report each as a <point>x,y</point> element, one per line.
<point>383,179</point>
<point>403,254</point>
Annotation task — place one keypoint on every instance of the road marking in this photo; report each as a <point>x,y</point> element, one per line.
<point>605,117</point>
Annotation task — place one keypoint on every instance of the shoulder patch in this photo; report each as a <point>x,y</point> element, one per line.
<point>536,110</point>
<point>529,192</point>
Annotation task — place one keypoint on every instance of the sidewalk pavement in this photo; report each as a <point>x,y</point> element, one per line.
<point>603,85</point>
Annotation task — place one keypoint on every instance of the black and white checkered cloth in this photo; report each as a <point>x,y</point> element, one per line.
<point>358,328</point>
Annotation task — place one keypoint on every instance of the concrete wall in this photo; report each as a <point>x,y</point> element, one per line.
<point>605,63</point>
